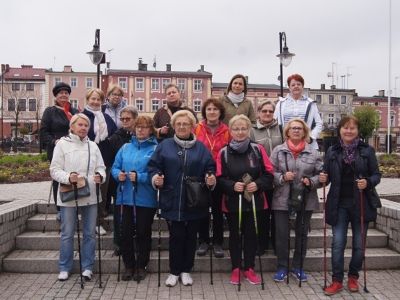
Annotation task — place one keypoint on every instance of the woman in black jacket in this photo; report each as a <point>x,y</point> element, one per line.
<point>352,169</point>
<point>55,125</point>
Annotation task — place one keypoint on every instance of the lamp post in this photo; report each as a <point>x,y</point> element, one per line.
<point>96,56</point>
<point>4,70</point>
<point>284,55</point>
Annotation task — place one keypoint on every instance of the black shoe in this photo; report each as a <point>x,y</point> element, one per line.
<point>140,275</point>
<point>128,274</point>
<point>218,251</point>
<point>202,249</point>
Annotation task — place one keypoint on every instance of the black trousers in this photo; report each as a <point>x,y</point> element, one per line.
<point>301,233</point>
<point>182,245</point>
<point>144,220</point>
<point>267,225</point>
<point>55,193</point>
<point>249,242</point>
<point>217,221</point>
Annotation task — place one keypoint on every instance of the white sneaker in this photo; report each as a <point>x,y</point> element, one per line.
<point>186,279</point>
<point>102,230</point>
<point>87,274</point>
<point>172,280</point>
<point>63,276</point>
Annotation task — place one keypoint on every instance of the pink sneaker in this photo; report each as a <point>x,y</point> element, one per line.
<point>235,276</point>
<point>252,277</point>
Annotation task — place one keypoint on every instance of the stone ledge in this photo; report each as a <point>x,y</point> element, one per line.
<point>388,221</point>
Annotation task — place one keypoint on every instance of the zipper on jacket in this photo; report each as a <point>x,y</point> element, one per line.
<point>180,196</point>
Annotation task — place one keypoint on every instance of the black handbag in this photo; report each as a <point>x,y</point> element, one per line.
<point>197,194</point>
<point>373,198</point>
<point>296,194</point>
<point>67,192</point>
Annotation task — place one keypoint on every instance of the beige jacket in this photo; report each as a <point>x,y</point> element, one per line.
<point>245,108</point>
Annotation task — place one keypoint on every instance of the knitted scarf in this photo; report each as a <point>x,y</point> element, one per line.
<point>99,124</point>
<point>349,150</point>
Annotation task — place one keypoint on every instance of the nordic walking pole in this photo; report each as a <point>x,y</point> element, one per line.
<point>303,211</point>
<point>240,236</point>
<point>47,207</point>
<point>209,173</point>
<point>253,202</point>
<point>288,247</point>
<point>324,218</point>
<point>159,233</point>
<point>363,238</point>
<point>77,229</point>
<point>98,227</point>
<point>135,246</point>
<point>121,213</point>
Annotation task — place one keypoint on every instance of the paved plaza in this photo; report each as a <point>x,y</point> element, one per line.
<point>383,284</point>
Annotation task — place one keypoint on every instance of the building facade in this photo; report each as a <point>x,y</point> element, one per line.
<point>145,89</point>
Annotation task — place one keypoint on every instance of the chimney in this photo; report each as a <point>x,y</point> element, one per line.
<point>202,68</point>
<point>26,66</point>
<point>381,93</point>
<point>247,79</point>
<point>333,87</point>
<point>322,86</point>
<point>168,67</point>
<point>141,65</point>
<point>67,69</point>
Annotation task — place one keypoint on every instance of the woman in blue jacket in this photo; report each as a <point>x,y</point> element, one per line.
<point>136,198</point>
<point>177,158</point>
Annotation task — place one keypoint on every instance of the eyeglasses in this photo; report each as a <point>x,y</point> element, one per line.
<point>182,125</point>
<point>240,129</point>
<point>264,111</point>
<point>116,95</point>
<point>142,127</point>
<point>296,128</point>
<point>125,119</point>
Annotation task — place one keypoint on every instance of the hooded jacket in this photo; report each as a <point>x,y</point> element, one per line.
<point>135,156</point>
<point>71,155</point>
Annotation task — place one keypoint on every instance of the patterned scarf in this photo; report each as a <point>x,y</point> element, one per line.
<point>349,150</point>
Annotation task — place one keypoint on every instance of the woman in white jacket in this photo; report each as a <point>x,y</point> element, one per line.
<point>70,161</point>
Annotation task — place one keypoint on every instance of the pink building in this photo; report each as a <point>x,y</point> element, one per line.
<point>23,100</point>
<point>380,103</point>
<point>80,82</point>
<point>145,89</point>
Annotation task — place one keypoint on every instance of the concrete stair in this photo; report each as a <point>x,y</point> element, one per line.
<point>37,252</point>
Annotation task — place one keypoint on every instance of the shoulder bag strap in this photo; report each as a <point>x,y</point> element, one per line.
<point>87,170</point>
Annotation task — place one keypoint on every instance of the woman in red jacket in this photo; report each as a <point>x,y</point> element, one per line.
<point>214,134</point>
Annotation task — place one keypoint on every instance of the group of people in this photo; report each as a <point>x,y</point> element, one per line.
<point>261,169</point>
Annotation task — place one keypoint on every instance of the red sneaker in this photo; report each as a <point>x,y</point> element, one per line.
<point>252,277</point>
<point>235,276</point>
<point>352,283</point>
<point>334,288</point>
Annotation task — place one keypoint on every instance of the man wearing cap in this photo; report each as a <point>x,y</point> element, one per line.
<point>55,123</point>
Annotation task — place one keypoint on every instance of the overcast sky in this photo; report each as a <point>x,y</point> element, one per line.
<point>227,36</point>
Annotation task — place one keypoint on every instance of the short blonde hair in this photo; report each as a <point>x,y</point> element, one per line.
<point>183,113</point>
<point>114,87</point>
<point>240,117</point>
<point>95,90</point>
<point>75,119</point>
<point>306,129</point>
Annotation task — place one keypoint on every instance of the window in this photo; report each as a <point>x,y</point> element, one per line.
<point>181,84</point>
<point>11,104</point>
<point>392,119</point>
<point>331,99</point>
<point>74,82</point>
<point>22,104</point>
<point>197,85</point>
<point>15,86</point>
<point>122,82</point>
<point>155,84</point>
<point>89,82</point>
<point>57,80</point>
<point>139,84</point>
<point>331,118</point>
<point>318,99</point>
<point>32,104</point>
<point>197,105</point>
<point>155,105</point>
<point>30,87</point>
<point>163,102</point>
<point>165,82</point>
<point>139,104</point>
<point>343,99</point>
<point>74,103</point>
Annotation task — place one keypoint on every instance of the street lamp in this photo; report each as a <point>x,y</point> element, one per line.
<point>96,56</point>
<point>4,70</point>
<point>284,55</point>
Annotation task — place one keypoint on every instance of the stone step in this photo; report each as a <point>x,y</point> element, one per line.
<point>46,261</point>
<point>37,223</point>
<point>36,240</point>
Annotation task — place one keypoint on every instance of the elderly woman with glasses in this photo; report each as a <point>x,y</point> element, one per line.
<point>296,168</point>
<point>244,174</point>
<point>174,160</point>
<point>267,132</point>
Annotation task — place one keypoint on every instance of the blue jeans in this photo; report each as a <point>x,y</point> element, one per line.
<point>88,242</point>
<point>346,216</point>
